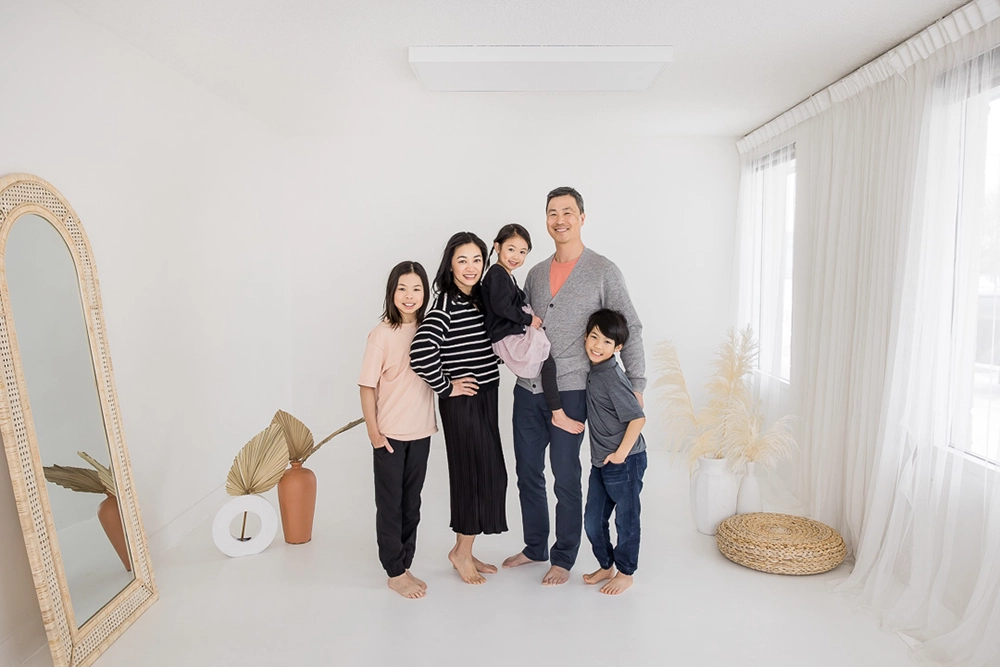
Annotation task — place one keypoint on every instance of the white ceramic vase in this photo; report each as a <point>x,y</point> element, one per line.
<point>748,500</point>
<point>713,494</point>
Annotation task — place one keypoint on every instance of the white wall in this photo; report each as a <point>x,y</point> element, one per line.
<point>179,194</point>
<point>237,265</point>
<point>662,208</point>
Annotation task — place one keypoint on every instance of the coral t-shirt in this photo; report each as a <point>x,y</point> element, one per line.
<point>558,273</point>
<point>404,403</point>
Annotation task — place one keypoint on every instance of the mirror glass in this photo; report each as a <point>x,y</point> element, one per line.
<point>51,332</point>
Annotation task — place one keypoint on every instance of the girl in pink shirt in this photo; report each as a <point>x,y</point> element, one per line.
<point>399,412</point>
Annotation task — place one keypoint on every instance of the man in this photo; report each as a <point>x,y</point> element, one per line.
<point>564,290</point>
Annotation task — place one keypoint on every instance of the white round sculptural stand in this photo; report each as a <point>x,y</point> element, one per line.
<point>233,546</point>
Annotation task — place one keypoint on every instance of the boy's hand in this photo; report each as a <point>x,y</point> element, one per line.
<point>379,441</point>
<point>617,458</point>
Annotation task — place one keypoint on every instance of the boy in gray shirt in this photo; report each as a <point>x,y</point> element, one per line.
<point>617,455</point>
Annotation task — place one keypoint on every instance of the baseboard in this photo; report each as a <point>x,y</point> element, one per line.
<point>180,527</point>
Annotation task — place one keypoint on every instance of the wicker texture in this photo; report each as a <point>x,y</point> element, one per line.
<point>780,543</point>
<point>71,646</point>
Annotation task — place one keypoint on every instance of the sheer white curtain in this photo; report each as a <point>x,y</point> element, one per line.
<point>929,552</point>
<point>895,359</point>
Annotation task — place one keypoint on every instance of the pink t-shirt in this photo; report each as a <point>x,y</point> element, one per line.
<point>404,404</point>
<point>559,273</point>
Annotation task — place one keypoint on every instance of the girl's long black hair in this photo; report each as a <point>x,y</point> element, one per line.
<point>390,313</point>
<point>444,281</point>
<point>508,232</point>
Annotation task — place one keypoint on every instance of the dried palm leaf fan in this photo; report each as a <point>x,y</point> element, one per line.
<point>260,464</point>
<point>82,480</point>
<point>300,438</point>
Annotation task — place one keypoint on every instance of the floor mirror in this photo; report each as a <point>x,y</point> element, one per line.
<point>62,430</point>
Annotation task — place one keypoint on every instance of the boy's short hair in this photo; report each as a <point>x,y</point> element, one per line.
<point>611,323</point>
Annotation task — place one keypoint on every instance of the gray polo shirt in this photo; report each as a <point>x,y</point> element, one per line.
<point>611,405</point>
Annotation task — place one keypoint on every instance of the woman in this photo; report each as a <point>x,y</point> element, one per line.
<point>452,353</point>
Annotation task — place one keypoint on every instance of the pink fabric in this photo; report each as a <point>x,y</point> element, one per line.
<point>524,353</point>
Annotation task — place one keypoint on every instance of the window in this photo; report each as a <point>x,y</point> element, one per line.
<point>773,211</point>
<point>975,414</point>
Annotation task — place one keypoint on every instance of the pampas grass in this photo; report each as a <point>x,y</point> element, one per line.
<point>744,439</point>
<point>300,438</point>
<point>730,425</point>
<point>260,464</point>
<point>678,411</point>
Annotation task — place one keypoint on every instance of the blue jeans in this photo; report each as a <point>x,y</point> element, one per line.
<point>615,488</point>
<point>533,433</point>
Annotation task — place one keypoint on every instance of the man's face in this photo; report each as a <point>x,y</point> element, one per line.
<point>563,219</point>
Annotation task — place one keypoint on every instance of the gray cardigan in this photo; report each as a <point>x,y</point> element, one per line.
<point>595,283</point>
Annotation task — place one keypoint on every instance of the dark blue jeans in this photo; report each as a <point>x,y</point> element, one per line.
<point>615,488</point>
<point>533,433</point>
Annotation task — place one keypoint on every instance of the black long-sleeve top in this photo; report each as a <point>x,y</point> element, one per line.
<point>451,343</point>
<point>504,302</point>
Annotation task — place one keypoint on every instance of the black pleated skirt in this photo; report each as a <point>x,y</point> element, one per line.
<point>477,474</point>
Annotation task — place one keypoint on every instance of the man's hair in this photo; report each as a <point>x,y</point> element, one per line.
<point>562,192</point>
<point>611,323</point>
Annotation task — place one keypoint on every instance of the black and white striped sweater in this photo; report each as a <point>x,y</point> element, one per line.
<point>451,343</point>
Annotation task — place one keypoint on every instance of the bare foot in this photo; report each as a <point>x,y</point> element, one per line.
<point>466,567</point>
<point>563,421</point>
<point>484,568</point>
<point>618,584</point>
<point>556,576</point>
<point>420,582</point>
<point>406,586</point>
<point>599,576</point>
<point>517,560</point>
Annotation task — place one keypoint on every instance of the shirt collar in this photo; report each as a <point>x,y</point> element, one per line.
<point>605,365</point>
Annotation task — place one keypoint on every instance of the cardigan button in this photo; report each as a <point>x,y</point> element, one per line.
<point>551,305</point>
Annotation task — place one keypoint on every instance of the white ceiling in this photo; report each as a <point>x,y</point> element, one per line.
<point>332,67</point>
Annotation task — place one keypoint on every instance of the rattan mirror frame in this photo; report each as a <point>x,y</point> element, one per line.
<point>71,646</point>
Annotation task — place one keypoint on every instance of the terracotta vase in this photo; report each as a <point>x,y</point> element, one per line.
<point>111,521</point>
<point>297,500</point>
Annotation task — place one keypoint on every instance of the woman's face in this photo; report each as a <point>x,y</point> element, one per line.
<point>467,266</point>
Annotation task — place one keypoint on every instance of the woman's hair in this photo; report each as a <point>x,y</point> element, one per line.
<point>444,281</point>
<point>390,313</point>
<point>506,233</point>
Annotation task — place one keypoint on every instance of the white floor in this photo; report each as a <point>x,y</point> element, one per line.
<point>325,603</point>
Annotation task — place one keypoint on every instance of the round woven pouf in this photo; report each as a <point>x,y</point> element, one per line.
<point>780,543</point>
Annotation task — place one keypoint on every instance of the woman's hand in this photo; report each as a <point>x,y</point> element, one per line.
<point>464,387</point>
<point>379,441</point>
<point>536,322</point>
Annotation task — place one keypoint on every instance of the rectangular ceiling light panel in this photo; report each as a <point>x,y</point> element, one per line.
<point>538,68</point>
